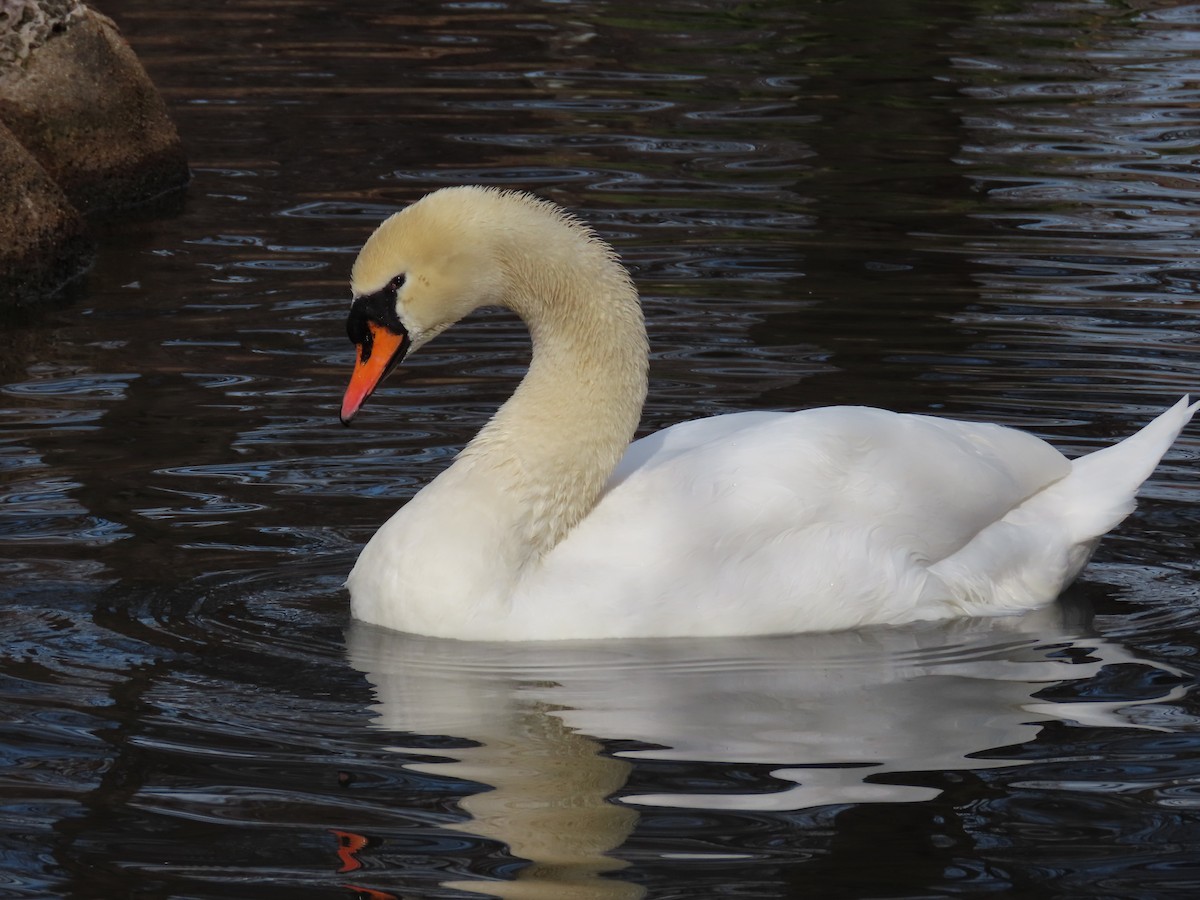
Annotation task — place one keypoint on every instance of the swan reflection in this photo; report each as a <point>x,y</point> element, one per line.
<point>828,713</point>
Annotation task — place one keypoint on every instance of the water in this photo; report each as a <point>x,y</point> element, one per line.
<point>981,210</point>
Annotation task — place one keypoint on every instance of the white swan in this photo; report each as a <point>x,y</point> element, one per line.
<point>551,525</point>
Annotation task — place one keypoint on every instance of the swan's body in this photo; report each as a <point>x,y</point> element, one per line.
<point>551,525</point>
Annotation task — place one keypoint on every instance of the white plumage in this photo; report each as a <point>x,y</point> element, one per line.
<point>550,525</point>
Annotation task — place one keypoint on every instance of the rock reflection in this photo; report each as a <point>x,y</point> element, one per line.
<point>827,713</point>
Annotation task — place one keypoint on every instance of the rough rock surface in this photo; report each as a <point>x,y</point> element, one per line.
<point>82,104</point>
<point>43,238</point>
<point>74,96</point>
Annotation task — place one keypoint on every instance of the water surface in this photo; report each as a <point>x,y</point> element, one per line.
<point>983,210</point>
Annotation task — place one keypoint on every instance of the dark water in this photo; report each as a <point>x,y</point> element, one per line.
<point>982,209</point>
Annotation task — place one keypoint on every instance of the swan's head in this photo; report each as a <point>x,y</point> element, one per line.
<point>461,248</point>
<point>422,270</point>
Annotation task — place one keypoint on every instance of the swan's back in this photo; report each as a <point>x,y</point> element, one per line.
<point>781,522</point>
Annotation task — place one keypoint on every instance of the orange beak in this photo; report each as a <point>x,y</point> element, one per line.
<point>378,353</point>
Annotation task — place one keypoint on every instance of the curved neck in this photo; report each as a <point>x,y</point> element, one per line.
<point>457,552</point>
<point>553,445</point>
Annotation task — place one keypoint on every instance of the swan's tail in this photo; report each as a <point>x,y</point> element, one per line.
<point>1028,557</point>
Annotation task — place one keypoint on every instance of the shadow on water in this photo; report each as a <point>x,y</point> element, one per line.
<point>981,209</point>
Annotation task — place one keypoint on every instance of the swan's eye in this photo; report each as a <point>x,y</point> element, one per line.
<point>396,283</point>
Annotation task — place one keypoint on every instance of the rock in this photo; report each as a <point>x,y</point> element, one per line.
<point>43,238</point>
<point>75,95</point>
<point>82,130</point>
<point>26,24</point>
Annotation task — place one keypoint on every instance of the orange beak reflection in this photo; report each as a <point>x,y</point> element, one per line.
<point>378,354</point>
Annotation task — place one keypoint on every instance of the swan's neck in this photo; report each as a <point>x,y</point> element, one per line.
<point>550,449</point>
<point>457,552</point>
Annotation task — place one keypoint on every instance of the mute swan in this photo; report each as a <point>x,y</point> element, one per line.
<point>551,525</point>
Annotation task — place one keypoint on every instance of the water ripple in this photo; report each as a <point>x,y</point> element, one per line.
<point>995,218</point>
